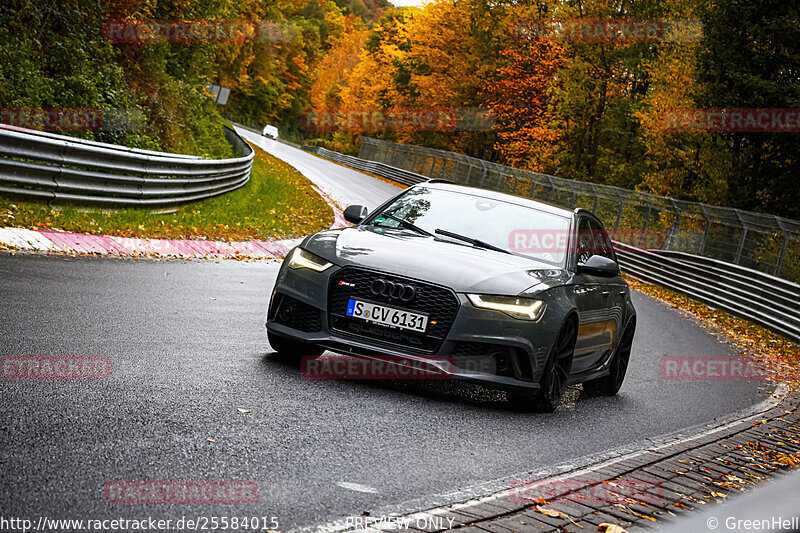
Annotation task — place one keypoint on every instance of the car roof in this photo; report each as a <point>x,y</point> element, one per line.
<point>499,196</point>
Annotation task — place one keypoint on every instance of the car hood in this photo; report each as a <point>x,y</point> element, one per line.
<point>463,268</point>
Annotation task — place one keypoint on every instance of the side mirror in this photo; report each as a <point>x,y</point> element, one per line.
<point>355,213</point>
<point>597,265</point>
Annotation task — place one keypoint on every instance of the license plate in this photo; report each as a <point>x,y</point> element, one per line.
<point>388,316</point>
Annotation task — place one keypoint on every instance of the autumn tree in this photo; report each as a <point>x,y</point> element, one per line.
<point>335,67</point>
<point>518,96</point>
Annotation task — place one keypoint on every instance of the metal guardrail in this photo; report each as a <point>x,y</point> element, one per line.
<point>762,298</point>
<point>387,171</point>
<point>756,240</point>
<point>46,166</point>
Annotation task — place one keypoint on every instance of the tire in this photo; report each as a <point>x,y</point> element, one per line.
<point>554,376</point>
<point>609,385</point>
<point>292,348</point>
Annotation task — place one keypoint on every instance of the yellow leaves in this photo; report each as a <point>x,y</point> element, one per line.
<point>610,528</point>
<point>549,512</point>
<point>333,71</point>
<point>628,509</point>
<point>555,514</point>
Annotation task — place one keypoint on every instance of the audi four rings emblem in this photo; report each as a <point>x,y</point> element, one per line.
<point>393,290</point>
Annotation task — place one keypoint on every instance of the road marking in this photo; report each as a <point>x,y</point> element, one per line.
<point>356,487</point>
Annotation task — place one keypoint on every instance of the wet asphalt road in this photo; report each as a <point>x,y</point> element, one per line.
<point>188,347</point>
<point>344,185</point>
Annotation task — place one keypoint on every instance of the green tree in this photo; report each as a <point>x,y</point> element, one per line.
<point>750,58</point>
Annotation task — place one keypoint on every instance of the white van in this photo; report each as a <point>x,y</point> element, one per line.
<point>270,131</point>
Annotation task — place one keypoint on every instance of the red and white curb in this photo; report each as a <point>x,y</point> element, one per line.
<point>80,243</point>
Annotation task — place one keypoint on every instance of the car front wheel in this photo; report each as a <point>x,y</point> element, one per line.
<point>554,376</point>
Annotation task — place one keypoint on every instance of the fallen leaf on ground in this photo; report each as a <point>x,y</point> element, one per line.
<point>611,528</point>
<point>555,514</point>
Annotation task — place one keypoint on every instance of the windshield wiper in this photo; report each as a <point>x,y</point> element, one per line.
<point>408,225</point>
<point>473,242</point>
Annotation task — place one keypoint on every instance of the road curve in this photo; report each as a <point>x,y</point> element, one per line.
<point>188,348</point>
<point>344,185</point>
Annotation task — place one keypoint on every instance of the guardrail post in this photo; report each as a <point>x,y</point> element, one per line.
<point>415,160</point>
<point>675,229</point>
<point>646,222</point>
<point>445,160</point>
<point>703,242</point>
<point>619,216</point>
<point>782,255</point>
<point>552,189</point>
<point>409,161</point>
<point>455,171</point>
<point>596,199</point>
<point>738,258</point>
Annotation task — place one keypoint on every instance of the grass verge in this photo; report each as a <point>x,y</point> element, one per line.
<point>278,202</point>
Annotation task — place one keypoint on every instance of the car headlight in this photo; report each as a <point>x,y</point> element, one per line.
<point>524,308</point>
<point>300,258</point>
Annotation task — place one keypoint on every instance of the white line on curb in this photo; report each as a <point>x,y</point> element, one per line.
<point>26,239</point>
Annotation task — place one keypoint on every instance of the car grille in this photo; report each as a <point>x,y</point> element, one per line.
<point>439,303</point>
<point>295,314</point>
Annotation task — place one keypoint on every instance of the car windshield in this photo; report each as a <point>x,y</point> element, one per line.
<point>509,226</point>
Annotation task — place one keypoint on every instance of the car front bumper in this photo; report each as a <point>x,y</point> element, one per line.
<point>480,345</point>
